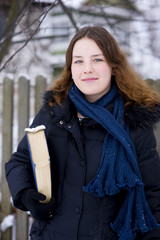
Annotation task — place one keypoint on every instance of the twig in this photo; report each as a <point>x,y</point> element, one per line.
<point>34,32</point>
<point>66,10</point>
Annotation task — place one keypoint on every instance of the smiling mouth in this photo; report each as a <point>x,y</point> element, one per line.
<point>89,79</point>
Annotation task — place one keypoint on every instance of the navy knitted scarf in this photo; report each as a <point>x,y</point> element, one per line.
<point>118,169</point>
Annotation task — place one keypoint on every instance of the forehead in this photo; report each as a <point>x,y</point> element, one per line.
<point>86,46</point>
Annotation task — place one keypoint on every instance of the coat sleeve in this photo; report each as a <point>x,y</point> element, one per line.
<point>18,169</point>
<point>149,165</point>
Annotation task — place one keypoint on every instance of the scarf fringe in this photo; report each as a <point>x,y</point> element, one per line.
<point>130,221</point>
<point>114,174</point>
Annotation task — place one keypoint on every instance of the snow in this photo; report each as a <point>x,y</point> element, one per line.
<point>142,59</point>
<point>7,222</point>
<point>36,129</point>
<point>73,3</point>
<point>42,56</point>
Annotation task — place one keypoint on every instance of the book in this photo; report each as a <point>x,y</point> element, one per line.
<point>40,160</point>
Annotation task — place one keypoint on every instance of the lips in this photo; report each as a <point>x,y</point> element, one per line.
<point>89,79</point>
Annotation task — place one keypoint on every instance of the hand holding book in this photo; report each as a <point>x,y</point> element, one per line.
<point>32,200</point>
<point>40,160</point>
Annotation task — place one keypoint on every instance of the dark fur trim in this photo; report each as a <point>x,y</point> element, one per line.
<point>48,97</point>
<point>140,116</point>
<point>135,115</point>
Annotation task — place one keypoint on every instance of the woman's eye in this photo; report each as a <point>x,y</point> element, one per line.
<point>78,61</point>
<point>98,60</point>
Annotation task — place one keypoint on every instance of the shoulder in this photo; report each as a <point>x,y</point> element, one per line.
<point>64,110</point>
<point>47,110</point>
<point>141,121</point>
<point>48,99</point>
<point>137,116</point>
<point>42,118</point>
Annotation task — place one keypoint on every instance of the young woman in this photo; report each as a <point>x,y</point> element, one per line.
<point>99,120</point>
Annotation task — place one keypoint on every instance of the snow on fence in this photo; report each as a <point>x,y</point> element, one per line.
<point>20,102</point>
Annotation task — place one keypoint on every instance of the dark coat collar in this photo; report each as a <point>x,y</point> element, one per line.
<point>135,115</point>
<point>64,112</point>
<point>140,116</point>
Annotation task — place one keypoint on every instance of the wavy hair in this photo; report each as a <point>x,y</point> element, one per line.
<point>131,86</point>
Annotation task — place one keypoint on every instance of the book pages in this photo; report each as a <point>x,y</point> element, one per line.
<point>40,160</point>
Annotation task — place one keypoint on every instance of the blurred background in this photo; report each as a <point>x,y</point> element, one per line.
<point>34,36</point>
<point>40,31</point>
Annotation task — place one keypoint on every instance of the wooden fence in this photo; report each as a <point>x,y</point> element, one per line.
<point>21,101</point>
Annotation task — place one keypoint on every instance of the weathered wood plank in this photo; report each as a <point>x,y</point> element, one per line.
<point>40,87</point>
<point>23,121</point>
<point>6,149</point>
<point>23,106</point>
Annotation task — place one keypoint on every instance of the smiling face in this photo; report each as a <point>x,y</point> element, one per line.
<point>90,71</point>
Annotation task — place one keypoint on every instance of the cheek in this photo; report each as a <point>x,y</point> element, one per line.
<point>75,72</point>
<point>72,70</point>
<point>102,69</point>
<point>106,71</point>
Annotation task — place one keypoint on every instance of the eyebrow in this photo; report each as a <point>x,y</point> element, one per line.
<point>95,55</point>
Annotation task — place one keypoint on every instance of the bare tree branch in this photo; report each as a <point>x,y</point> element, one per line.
<point>69,14</point>
<point>14,14</point>
<point>31,36</point>
<point>115,21</point>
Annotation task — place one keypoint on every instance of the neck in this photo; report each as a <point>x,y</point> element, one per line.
<point>80,115</point>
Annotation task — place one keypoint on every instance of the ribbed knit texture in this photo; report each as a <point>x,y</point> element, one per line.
<point>118,168</point>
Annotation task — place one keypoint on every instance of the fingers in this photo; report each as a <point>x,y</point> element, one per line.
<point>38,196</point>
<point>42,211</point>
<point>39,210</point>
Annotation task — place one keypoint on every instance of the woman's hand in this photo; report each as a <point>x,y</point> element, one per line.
<point>31,200</point>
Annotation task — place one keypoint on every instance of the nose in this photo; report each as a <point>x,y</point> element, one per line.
<point>88,68</point>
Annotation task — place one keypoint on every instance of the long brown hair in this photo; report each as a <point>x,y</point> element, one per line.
<point>133,88</point>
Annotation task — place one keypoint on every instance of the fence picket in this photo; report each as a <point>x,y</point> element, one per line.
<point>40,87</point>
<point>23,106</point>
<point>6,149</point>
<point>23,121</point>
<point>7,144</point>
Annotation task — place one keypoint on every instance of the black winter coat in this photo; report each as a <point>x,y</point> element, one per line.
<point>75,150</point>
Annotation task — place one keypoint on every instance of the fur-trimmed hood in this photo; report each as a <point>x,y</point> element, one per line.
<point>135,115</point>
<point>140,116</point>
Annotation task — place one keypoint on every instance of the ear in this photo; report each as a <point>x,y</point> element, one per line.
<point>113,72</point>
